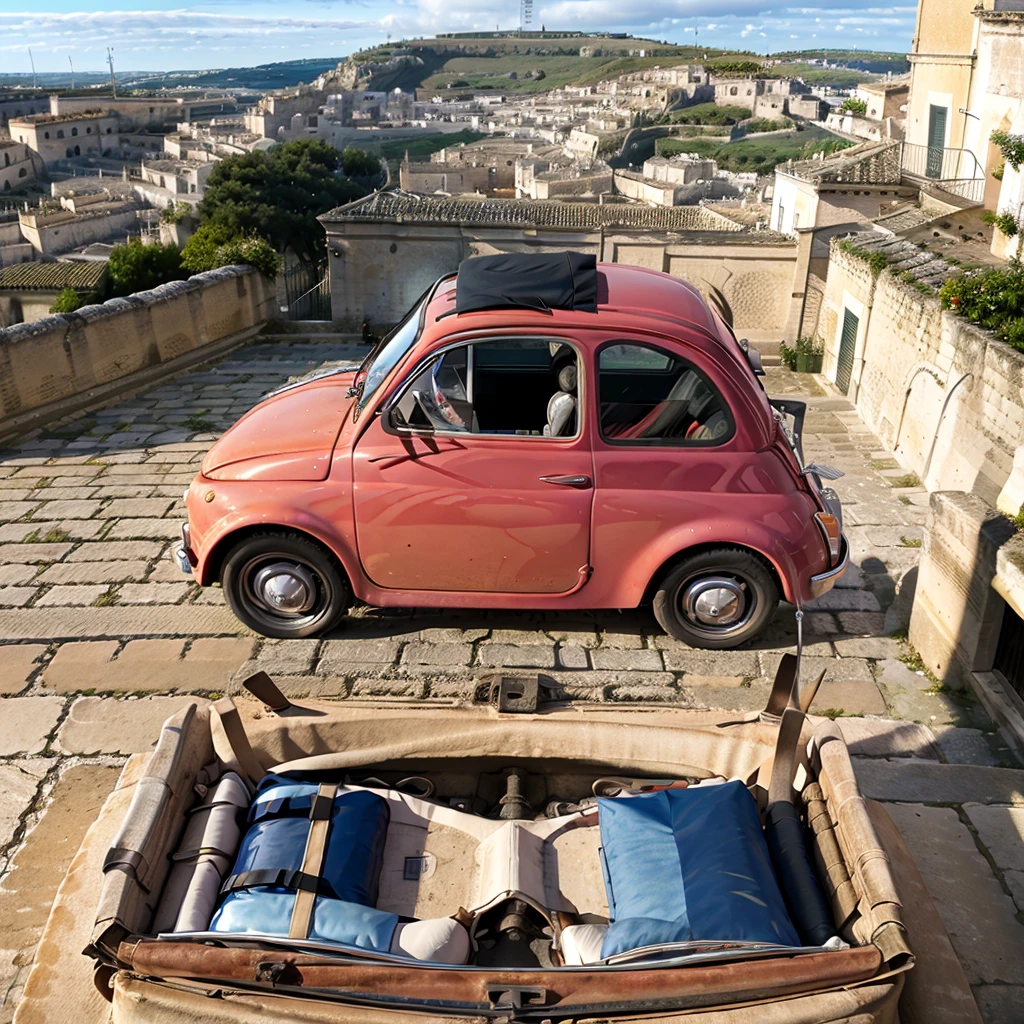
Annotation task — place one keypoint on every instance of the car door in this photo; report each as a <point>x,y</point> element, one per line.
<point>462,485</point>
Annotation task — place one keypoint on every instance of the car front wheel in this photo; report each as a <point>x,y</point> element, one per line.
<point>284,585</point>
<point>716,599</point>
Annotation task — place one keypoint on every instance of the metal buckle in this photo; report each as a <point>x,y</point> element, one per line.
<point>512,694</point>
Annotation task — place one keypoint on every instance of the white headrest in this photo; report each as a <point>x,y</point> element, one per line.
<point>581,943</point>
<point>440,939</point>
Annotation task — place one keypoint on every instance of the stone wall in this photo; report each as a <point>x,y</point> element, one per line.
<point>378,270</point>
<point>46,364</point>
<point>947,397</point>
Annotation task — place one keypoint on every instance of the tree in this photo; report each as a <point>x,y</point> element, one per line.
<point>854,106</point>
<point>213,246</point>
<point>357,163</point>
<point>68,300</point>
<point>137,267</point>
<point>277,195</point>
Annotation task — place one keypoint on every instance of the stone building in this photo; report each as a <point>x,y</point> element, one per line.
<point>182,177</point>
<point>21,104</point>
<point>273,114</point>
<point>772,98</point>
<point>16,166</point>
<point>64,137</point>
<point>28,290</point>
<point>132,112</point>
<point>54,228</point>
<point>384,250</point>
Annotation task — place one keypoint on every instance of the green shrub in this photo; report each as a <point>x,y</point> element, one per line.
<point>708,113</point>
<point>137,267</point>
<point>1011,146</point>
<point>213,246</point>
<point>766,124</point>
<point>68,300</point>
<point>854,106</point>
<point>993,299</point>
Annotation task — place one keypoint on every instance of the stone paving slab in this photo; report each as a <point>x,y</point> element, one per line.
<point>19,783</point>
<point>27,724</point>
<point>103,725</point>
<point>979,916</point>
<point>17,663</point>
<point>925,782</point>
<point>38,868</point>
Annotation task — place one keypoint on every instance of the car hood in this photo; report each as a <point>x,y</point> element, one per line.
<point>288,436</point>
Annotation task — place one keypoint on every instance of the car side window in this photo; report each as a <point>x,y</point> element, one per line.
<point>650,396</point>
<point>519,386</point>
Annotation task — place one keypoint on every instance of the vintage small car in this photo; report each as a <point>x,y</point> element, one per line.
<point>539,432</point>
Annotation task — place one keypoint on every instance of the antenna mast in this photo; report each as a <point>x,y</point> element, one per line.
<point>33,67</point>
<point>525,14</point>
<point>110,63</point>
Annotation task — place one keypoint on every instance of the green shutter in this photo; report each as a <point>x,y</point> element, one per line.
<point>847,346</point>
<point>936,140</point>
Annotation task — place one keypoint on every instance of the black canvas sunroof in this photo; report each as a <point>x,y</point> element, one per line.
<point>542,281</point>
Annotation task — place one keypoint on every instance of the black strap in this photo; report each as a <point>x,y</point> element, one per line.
<point>278,878</point>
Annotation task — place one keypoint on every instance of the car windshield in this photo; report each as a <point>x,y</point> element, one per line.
<point>392,348</point>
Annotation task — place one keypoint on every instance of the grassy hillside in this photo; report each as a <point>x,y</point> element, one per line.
<point>753,154</point>
<point>420,148</point>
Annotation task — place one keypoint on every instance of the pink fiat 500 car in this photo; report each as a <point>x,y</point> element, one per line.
<point>540,431</point>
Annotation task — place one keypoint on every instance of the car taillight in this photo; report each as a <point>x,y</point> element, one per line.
<point>833,534</point>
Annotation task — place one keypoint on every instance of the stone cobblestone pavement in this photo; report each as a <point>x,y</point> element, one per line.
<point>102,638</point>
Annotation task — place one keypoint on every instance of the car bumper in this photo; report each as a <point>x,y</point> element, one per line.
<point>184,556</point>
<point>823,582</point>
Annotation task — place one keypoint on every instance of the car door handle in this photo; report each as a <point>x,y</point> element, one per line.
<point>579,482</point>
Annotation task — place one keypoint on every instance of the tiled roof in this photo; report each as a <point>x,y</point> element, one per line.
<point>401,208</point>
<point>48,277</point>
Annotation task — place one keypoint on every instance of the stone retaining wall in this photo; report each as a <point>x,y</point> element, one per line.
<point>947,397</point>
<point>71,355</point>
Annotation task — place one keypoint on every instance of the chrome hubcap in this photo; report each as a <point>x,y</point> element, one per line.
<point>285,588</point>
<point>715,601</point>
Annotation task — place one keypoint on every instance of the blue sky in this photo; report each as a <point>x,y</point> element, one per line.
<point>228,33</point>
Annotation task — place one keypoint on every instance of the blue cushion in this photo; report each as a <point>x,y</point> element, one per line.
<point>355,840</point>
<point>344,910</point>
<point>689,864</point>
<point>269,912</point>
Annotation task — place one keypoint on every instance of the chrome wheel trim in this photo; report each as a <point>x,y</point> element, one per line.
<point>281,589</point>
<point>717,604</point>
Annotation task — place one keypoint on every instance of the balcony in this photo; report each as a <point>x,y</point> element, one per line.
<point>956,171</point>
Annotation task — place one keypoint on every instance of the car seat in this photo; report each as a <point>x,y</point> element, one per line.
<point>563,403</point>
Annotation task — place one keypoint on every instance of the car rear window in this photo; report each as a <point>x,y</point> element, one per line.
<point>649,396</point>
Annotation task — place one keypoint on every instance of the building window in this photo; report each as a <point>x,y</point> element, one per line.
<point>782,217</point>
<point>78,150</point>
<point>60,133</point>
<point>46,135</point>
<point>22,173</point>
<point>74,131</point>
<point>109,130</point>
<point>732,90</point>
<point>68,152</point>
<point>88,131</point>
<point>796,221</point>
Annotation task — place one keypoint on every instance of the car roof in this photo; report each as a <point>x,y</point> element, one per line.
<point>624,293</point>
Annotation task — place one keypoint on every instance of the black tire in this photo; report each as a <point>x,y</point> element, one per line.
<point>750,592</point>
<point>311,588</point>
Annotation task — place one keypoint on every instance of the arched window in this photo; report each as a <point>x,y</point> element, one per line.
<point>68,152</point>
<point>60,133</point>
<point>78,150</point>
<point>46,135</point>
<point>88,131</point>
<point>109,130</point>
<point>22,173</point>
<point>74,131</point>
<point>7,160</point>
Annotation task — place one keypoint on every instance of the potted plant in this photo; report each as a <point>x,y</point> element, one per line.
<point>809,354</point>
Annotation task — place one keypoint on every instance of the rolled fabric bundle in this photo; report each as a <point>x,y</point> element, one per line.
<point>205,853</point>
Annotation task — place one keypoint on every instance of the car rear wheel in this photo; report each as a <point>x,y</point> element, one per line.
<point>284,585</point>
<point>716,599</point>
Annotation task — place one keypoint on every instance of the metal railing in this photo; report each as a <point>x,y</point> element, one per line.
<point>953,170</point>
<point>314,304</point>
